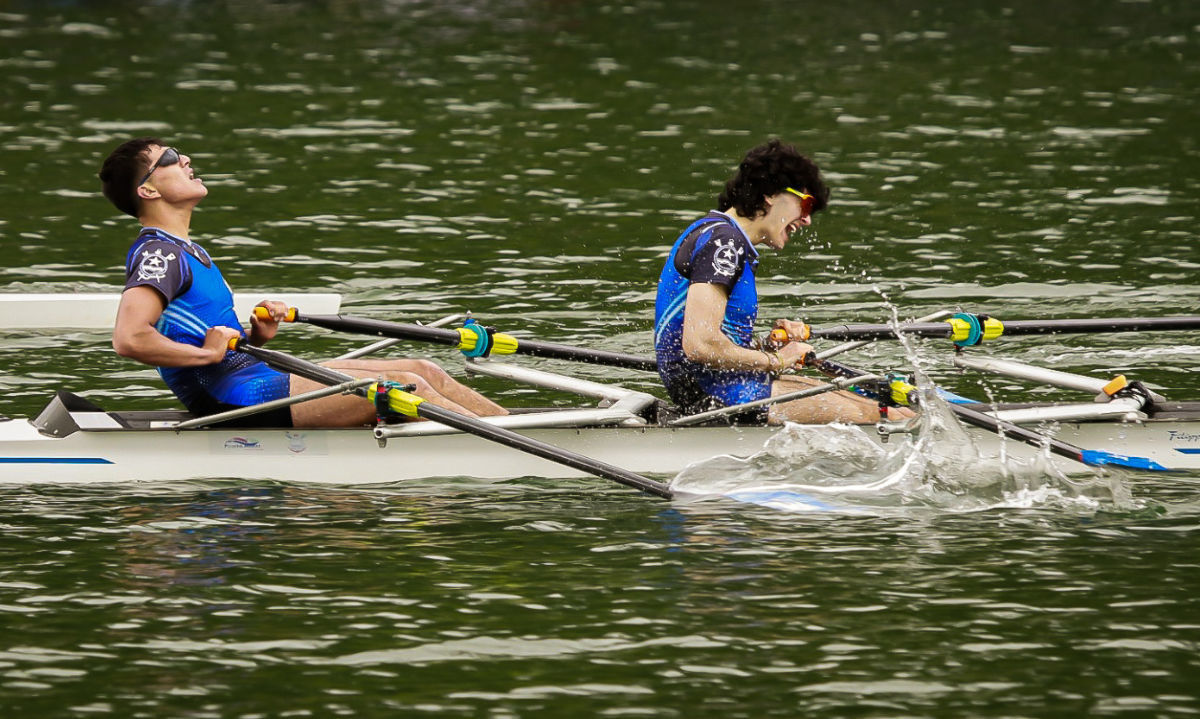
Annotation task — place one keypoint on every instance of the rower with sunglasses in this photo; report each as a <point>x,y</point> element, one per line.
<point>176,312</point>
<point>707,299</point>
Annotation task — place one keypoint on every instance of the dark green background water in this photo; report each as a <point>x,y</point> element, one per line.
<point>531,162</point>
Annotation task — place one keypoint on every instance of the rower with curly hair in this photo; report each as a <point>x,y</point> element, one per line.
<point>708,302</point>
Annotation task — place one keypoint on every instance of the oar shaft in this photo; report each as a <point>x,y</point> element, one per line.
<point>1114,324</point>
<point>379,328</point>
<point>853,345</point>
<point>988,422</point>
<point>1013,327</point>
<point>692,419</point>
<point>601,357</point>
<point>303,368</point>
<point>546,451</point>
<point>398,330</point>
<point>470,425</point>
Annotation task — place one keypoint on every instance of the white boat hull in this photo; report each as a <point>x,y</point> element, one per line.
<point>341,456</point>
<point>353,456</point>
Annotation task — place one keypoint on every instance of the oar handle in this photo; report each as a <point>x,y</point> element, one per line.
<point>780,337</point>
<point>263,313</point>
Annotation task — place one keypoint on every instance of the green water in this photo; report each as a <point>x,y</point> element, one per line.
<point>531,161</point>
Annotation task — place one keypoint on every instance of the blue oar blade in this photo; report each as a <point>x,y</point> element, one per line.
<point>787,500</point>
<point>1099,458</point>
<point>954,398</point>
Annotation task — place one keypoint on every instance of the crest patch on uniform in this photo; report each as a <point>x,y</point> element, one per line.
<point>154,265</point>
<point>725,258</point>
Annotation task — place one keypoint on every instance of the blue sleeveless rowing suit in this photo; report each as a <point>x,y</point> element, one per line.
<point>713,250</point>
<point>198,298</point>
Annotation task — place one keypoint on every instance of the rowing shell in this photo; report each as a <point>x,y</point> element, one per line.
<point>98,310</point>
<point>92,446</point>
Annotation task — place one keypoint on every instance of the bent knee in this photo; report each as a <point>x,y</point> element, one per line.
<point>419,383</point>
<point>421,367</point>
<point>428,368</point>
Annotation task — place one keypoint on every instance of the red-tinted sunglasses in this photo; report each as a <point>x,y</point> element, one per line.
<point>806,201</point>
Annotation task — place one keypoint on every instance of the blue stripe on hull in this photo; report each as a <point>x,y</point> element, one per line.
<point>54,460</point>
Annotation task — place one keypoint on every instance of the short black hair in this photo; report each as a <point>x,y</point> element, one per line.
<point>768,170</point>
<point>122,168</point>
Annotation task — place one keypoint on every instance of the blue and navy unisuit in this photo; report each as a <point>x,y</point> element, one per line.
<point>713,250</point>
<point>197,298</point>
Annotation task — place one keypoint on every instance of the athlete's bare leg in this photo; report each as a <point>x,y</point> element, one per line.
<point>352,410</point>
<point>441,382</point>
<point>835,406</point>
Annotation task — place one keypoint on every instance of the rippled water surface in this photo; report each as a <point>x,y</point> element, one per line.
<point>531,161</point>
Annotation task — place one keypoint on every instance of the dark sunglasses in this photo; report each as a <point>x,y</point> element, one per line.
<point>169,157</point>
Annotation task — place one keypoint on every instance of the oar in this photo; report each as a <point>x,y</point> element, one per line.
<point>392,341</point>
<point>410,405</point>
<point>903,393</point>
<point>473,339</point>
<point>970,329</point>
<point>846,347</point>
<point>1090,457</point>
<point>838,383</point>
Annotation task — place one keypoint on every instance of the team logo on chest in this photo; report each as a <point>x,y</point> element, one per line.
<point>154,265</point>
<point>725,259</point>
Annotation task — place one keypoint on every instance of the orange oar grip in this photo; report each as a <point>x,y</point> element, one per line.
<point>264,314</point>
<point>779,336</point>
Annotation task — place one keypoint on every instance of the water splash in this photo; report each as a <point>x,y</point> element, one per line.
<point>842,468</point>
<point>941,465</point>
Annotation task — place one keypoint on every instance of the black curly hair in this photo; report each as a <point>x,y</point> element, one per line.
<point>122,168</point>
<point>768,170</point>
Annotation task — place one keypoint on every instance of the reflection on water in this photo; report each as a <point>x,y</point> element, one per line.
<point>469,595</point>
